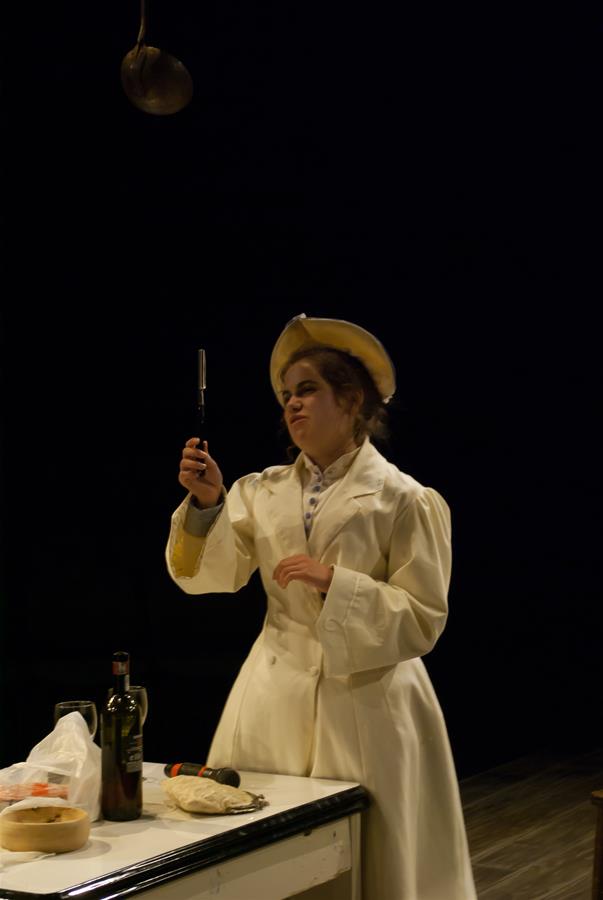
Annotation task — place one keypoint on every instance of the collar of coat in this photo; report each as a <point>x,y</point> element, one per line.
<point>365,477</point>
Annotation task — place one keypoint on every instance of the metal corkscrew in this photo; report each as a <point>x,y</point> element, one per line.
<point>201,386</point>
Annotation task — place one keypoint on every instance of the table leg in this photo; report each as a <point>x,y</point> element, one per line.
<point>598,858</point>
<point>597,800</point>
<point>356,873</point>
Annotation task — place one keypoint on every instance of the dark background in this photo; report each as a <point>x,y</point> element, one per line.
<point>431,174</point>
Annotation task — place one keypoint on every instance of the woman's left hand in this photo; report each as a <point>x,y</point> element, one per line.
<point>303,568</point>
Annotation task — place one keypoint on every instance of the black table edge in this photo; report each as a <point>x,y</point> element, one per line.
<point>157,870</point>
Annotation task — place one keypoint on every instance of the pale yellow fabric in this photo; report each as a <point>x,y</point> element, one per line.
<point>187,549</point>
<point>186,555</point>
<point>338,689</point>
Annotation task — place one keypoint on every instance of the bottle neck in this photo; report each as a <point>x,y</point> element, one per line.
<point>121,676</point>
<point>121,683</point>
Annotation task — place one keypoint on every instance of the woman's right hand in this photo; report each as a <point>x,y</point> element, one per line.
<point>208,489</point>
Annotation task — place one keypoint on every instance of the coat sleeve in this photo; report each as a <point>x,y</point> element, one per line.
<point>224,560</point>
<point>367,624</point>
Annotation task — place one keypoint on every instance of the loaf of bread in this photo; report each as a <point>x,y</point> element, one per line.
<point>203,795</point>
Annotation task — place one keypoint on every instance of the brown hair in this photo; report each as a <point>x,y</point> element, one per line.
<point>347,376</point>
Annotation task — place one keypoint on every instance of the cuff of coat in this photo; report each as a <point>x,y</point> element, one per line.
<point>198,521</point>
<point>330,624</point>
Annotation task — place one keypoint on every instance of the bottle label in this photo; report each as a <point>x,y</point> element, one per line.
<point>132,753</point>
<point>120,667</point>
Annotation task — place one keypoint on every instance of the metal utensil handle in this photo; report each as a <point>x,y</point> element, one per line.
<point>257,801</point>
<point>201,385</point>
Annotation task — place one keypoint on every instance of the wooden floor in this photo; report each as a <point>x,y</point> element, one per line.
<point>531,827</point>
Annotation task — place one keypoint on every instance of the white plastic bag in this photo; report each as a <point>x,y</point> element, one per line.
<point>65,764</point>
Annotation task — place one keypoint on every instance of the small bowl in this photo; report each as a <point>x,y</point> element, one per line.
<point>47,829</point>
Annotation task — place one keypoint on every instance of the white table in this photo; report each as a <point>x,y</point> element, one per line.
<point>308,835</point>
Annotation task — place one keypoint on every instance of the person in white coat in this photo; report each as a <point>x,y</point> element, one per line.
<point>355,558</point>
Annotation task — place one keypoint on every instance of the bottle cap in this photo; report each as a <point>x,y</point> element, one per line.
<point>121,663</point>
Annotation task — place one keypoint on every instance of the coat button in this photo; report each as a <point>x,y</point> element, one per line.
<point>331,625</point>
<point>313,670</point>
<point>272,659</point>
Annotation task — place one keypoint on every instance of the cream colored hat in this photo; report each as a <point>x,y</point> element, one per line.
<point>302,331</point>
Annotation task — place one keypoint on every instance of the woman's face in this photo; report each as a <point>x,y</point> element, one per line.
<point>317,423</point>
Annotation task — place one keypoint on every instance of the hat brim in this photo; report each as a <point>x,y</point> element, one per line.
<point>308,332</point>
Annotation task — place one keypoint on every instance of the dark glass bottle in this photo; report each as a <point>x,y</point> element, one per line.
<point>121,742</point>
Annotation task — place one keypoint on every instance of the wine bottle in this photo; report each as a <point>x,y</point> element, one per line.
<point>223,775</point>
<point>121,743</point>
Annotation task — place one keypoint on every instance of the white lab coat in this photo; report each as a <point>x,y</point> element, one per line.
<point>336,688</point>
